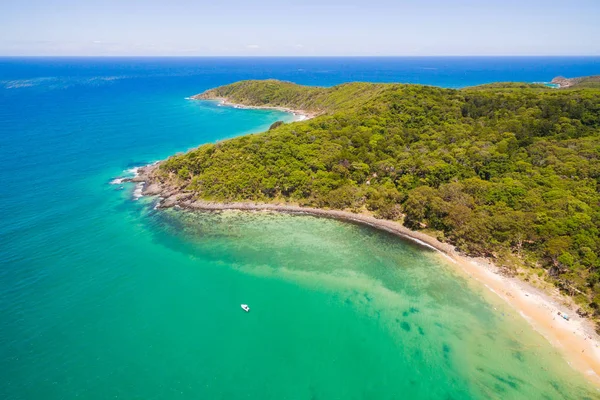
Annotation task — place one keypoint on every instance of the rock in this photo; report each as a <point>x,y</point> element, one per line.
<point>152,190</point>
<point>580,82</point>
<point>168,202</point>
<point>185,196</point>
<point>139,178</point>
<point>562,82</point>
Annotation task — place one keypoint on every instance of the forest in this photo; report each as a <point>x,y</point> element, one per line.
<point>507,171</point>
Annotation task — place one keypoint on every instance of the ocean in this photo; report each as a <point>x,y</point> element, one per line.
<point>102,296</point>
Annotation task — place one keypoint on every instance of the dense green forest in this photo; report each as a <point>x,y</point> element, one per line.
<point>587,82</point>
<point>510,171</point>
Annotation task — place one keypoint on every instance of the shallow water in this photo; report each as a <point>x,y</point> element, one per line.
<point>105,297</point>
<point>358,313</point>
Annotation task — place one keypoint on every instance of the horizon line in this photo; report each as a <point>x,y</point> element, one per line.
<point>303,56</point>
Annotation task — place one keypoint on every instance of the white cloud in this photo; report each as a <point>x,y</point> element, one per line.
<point>252,46</point>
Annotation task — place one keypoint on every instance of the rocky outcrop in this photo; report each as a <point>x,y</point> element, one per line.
<point>562,82</point>
<point>584,81</point>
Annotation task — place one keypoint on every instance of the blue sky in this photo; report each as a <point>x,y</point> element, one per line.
<point>299,28</point>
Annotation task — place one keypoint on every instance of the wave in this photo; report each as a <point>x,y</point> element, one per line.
<point>64,82</point>
<point>127,174</point>
<point>25,83</point>
<point>57,82</point>
<point>117,181</point>
<point>132,173</point>
<point>137,192</point>
<point>139,187</point>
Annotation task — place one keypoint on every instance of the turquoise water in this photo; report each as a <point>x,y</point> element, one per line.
<point>104,297</point>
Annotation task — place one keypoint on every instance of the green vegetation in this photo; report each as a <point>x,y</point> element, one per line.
<point>275,125</point>
<point>272,93</point>
<point>587,82</point>
<point>509,85</point>
<point>505,170</point>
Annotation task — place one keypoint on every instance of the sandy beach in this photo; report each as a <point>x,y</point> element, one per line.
<point>299,115</point>
<point>575,339</point>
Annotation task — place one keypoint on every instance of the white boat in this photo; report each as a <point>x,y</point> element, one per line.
<point>245,307</point>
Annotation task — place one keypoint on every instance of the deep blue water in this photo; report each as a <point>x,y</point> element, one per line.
<point>69,241</point>
<point>154,73</point>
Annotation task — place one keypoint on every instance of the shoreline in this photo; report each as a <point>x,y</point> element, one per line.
<point>299,115</point>
<point>575,339</point>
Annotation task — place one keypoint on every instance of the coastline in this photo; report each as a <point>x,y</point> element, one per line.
<point>299,115</point>
<point>575,339</point>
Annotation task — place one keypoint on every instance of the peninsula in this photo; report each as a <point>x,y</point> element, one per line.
<point>507,173</point>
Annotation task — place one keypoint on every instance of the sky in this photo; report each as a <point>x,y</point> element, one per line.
<point>299,28</point>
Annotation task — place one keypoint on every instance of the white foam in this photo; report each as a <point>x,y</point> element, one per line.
<point>128,174</point>
<point>300,117</point>
<point>133,171</point>
<point>422,243</point>
<point>137,192</point>
<point>55,82</point>
<point>24,83</point>
<point>490,289</point>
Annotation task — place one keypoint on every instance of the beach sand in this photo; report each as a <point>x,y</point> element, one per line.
<point>299,115</point>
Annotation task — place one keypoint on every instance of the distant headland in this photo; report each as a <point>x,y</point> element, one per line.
<point>581,82</point>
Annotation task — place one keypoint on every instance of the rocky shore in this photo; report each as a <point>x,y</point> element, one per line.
<point>584,81</point>
<point>563,82</point>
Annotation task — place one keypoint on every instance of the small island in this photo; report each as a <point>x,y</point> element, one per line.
<point>506,173</point>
